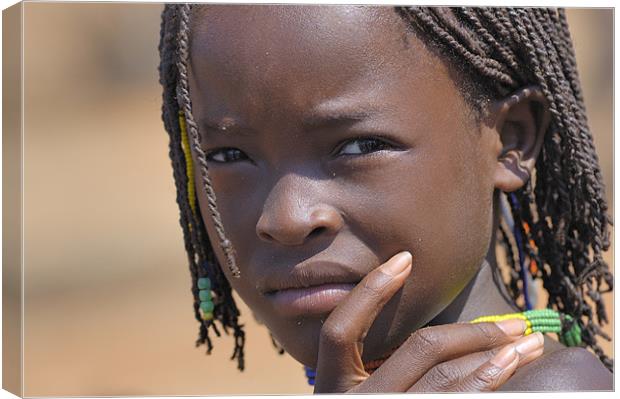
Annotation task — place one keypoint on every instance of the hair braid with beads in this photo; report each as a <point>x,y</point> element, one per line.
<point>561,214</point>
<point>202,261</point>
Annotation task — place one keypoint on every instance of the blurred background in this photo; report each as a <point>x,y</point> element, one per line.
<point>107,290</point>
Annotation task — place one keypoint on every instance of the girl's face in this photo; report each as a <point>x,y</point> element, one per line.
<point>337,139</point>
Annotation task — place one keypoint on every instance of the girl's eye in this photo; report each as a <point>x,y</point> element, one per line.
<point>225,155</point>
<point>363,146</point>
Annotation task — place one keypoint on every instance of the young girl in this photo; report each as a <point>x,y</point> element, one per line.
<point>347,170</point>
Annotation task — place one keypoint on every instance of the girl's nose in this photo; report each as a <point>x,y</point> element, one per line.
<point>292,215</point>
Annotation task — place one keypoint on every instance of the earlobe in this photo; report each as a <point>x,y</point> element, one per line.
<point>521,121</point>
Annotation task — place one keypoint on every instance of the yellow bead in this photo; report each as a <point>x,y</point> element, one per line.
<point>207,316</point>
<point>189,170</point>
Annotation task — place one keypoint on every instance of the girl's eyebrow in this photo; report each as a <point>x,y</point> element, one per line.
<point>226,125</point>
<point>321,117</point>
<point>333,114</point>
<point>316,121</point>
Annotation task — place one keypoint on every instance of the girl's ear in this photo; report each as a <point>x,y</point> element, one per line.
<point>521,121</point>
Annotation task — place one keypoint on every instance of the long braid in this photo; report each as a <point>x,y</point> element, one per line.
<point>184,98</point>
<point>168,78</point>
<point>566,210</point>
<point>231,312</point>
<point>201,258</point>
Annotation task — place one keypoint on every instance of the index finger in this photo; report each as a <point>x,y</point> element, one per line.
<point>340,366</point>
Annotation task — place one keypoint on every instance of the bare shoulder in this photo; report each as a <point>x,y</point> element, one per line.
<point>562,369</point>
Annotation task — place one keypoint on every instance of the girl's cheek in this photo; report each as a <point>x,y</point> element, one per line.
<point>237,190</point>
<point>231,180</point>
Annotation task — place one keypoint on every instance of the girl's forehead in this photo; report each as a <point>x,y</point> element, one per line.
<point>295,50</point>
<point>276,31</point>
<point>299,20</point>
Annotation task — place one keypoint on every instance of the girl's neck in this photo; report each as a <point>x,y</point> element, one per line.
<point>482,296</point>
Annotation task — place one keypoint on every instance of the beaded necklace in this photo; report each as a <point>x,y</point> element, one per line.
<point>539,320</point>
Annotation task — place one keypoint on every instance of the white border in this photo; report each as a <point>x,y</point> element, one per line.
<point>539,3</point>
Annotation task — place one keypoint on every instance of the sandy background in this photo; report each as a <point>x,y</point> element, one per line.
<point>108,303</point>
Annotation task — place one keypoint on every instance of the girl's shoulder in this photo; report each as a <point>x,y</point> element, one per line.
<point>561,369</point>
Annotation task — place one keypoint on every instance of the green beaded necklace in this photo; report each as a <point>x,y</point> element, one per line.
<point>544,321</point>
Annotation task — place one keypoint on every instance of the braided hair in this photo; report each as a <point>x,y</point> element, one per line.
<point>177,115</point>
<point>560,218</point>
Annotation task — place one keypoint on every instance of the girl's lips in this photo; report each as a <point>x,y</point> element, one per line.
<point>318,299</point>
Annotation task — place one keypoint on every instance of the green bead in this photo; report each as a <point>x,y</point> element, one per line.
<point>544,317</point>
<point>206,306</point>
<point>550,323</point>
<point>546,329</point>
<point>204,283</point>
<point>541,313</point>
<point>572,337</point>
<point>576,334</point>
<point>568,340</point>
<point>204,295</point>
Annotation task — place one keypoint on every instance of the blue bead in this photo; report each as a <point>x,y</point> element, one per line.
<point>204,295</point>
<point>310,374</point>
<point>204,283</point>
<point>206,306</point>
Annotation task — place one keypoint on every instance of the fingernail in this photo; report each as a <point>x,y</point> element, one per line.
<point>512,327</point>
<point>397,263</point>
<point>529,344</point>
<point>505,357</point>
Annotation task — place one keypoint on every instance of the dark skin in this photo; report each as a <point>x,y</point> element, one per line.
<point>334,135</point>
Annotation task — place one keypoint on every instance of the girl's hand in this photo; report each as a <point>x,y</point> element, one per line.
<point>451,357</point>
